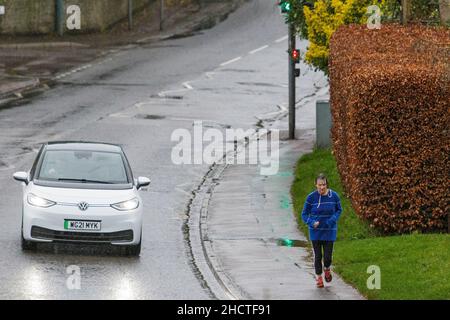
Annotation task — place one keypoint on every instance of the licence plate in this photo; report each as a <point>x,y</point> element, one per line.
<point>82,225</point>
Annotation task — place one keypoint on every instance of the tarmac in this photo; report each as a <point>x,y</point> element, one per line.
<point>30,64</point>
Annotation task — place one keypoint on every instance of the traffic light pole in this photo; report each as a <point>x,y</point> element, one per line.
<point>291,36</point>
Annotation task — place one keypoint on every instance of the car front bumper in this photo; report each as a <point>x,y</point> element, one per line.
<point>47,225</point>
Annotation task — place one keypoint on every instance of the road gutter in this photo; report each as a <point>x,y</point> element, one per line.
<point>189,29</point>
<point>197,213</point>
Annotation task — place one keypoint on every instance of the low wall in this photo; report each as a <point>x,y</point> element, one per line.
<point>38,16</point>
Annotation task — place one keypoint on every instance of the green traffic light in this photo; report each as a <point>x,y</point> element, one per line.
<point>285,6</point>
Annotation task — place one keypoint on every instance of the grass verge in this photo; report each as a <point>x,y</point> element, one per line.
<point>411,266</point>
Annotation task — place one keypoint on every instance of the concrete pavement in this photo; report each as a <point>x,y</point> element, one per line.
<point>33,63</point>
<point>10,84</point>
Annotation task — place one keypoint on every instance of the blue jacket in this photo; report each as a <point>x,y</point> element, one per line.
<point>325,209</point>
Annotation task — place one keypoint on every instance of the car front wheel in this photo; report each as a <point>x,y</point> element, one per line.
<point>28,245</point>
<point>133,250</point>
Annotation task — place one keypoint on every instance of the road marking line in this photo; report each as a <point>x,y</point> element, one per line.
<point>210,75</point>
<point>163,94</point>
<point>187,85</point>
<point>139,105</point>
<point>76,70</point>
<point>259,49</point>
<point>281,39</point>
<point>282,108</point>
<point>230,61</point>
<point>120,115</point>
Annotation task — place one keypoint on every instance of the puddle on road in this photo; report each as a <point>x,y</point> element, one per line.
<point>159,46</point>
<point>112,73</point>
<point>174,97</point>
<point>170,97</point>
<point>259,84</point>
<point>3,165</point>
<point>285,202</point>
<point>150,117</point>
<point>284,242</point>
<point>183,35</point>
<point>209,124</point>
<point>239,70</point>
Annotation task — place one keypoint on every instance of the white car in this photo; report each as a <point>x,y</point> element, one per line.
<point>81,192</point>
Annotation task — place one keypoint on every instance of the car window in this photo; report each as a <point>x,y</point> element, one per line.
<point>83,166</point>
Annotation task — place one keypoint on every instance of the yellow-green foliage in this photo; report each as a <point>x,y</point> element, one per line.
<point>324,19</point>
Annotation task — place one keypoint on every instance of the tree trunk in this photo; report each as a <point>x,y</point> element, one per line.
<point>406,11</point>
<point>444,10</point>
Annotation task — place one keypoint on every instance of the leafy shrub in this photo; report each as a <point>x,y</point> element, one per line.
<point>317,20</point>
<point>389,92</point>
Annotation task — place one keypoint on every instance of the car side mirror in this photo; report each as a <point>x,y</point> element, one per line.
<point>142,182</point>
<point>21,176</point>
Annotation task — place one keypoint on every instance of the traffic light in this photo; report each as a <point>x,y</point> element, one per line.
<point>295,55</point>
<point>285,6</point>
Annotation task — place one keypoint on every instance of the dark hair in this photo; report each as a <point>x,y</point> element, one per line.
<point>321,176</point>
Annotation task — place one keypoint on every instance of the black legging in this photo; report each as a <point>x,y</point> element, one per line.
<point>327,247</point>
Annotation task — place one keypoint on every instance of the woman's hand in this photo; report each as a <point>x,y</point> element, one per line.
<point>316,224</point>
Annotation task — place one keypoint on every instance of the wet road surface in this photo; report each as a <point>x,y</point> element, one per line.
<point>135,98</point>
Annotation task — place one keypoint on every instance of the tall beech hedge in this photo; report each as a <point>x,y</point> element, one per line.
<point>390,101</point>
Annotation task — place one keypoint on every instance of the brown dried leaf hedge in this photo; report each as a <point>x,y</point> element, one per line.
<point>390,99</point>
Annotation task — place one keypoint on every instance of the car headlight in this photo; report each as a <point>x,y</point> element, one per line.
<point>126,205</point>
<point>36,201</point>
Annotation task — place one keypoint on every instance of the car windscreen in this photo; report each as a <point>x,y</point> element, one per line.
<point>75,166</point>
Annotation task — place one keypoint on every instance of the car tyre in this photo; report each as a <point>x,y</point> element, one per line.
<point>134,250</point>
<point>25,244</point>
<point>28,245</point>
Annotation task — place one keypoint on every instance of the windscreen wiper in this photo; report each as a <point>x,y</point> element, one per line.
<point>85,180</point>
